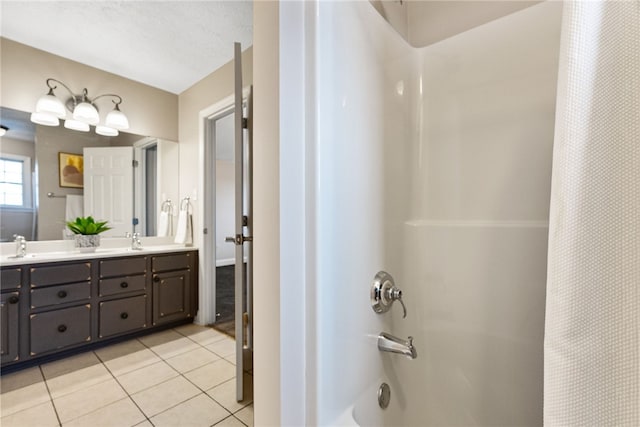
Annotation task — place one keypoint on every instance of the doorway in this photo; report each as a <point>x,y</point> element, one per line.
<point>224,182</point>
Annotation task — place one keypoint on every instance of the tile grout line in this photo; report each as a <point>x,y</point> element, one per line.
<point>53,403</point>
<point>179,374</point>
<point>230,416</point>
<point>195,385</point>
<point>230,413</point>
<point>125,390</point>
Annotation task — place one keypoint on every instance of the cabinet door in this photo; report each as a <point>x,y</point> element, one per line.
<point>9,323</point>
<point>171,296</point>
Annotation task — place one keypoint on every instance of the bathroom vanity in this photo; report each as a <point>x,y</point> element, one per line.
<point>53,307</point>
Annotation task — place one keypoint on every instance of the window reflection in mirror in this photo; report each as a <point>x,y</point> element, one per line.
<point>44,208</point>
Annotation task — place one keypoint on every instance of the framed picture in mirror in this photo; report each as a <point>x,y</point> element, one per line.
<point>71,170</point>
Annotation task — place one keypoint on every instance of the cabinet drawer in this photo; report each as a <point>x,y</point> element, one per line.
<point>60,328</point>
<point>10,278</point>
<point>170,262</point>
<point>122,315</point>
<point>123,266</point>
<point>119,285</point>
<point>58,274</point>
<point>53,295</point>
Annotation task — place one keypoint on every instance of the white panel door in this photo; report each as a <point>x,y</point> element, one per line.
<point>108,187</point>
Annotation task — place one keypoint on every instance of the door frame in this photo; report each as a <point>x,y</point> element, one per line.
<point>139,179</point>
<point>207,209</point>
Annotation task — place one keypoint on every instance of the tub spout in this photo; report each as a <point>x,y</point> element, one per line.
<point>387,342</point>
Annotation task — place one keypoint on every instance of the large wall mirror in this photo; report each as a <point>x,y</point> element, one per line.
<point>46,180</point>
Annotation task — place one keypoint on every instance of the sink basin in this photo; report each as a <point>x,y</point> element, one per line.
<point>38,255</point>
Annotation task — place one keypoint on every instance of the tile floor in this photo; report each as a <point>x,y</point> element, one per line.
<point>179,377</point>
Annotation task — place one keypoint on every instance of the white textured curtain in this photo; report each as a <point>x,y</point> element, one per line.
<point>592,332</point>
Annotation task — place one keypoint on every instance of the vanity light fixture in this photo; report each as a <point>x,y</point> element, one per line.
<point>50,109</point>
<point>3,130</point>
<point>76,125</point>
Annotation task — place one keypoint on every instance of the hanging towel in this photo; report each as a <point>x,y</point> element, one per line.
<point>184,232</point>
<point>74,208</point>
<point>164,224</point>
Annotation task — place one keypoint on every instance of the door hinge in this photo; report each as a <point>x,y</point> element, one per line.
<point>245,123</point>
<point>135,163</point>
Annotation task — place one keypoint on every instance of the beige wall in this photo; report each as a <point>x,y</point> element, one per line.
<point>206,93</point>
<point>266,177</point>
<point>19,147</point>
<point>151,111</point>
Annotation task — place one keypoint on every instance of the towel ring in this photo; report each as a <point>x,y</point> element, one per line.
<point>167,206</point>
<point>185,204</point>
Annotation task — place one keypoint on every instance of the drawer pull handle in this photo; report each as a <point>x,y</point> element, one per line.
<point>62,294</point>
<point>124,285</point>
<point>156,279</point>
<point>62,328</point>
<point>124,315</point>
<point>14,300</point>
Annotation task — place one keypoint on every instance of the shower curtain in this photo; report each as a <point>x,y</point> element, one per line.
<point>592,331</point>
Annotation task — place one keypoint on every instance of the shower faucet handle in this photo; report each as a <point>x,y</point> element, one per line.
<point>384,292</point>
<point>399,299</point>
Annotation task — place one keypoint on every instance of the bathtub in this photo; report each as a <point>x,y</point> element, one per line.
<point>366,412</point>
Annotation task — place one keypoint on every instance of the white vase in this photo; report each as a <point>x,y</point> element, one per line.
<point>87,243</point>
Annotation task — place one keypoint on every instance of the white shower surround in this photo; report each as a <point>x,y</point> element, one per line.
<point>434,165</point>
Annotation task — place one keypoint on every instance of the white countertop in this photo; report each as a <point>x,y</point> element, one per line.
<point>63,250</point>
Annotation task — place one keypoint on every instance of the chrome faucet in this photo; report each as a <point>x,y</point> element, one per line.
<point>136,244</point>
<point>384,292</point>
<point>21,245</point>
<point>387,342</point>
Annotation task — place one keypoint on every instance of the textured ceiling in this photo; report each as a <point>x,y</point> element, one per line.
<point>165,44</point>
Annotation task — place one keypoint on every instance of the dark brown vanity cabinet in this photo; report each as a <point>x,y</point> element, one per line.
<point>173,293</point>
<point>123,296</point>
<point>59,306</point>
<point>10,283</point>
<point>50,308</point>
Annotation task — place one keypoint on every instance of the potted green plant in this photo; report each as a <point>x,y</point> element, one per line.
<point>87,232</point>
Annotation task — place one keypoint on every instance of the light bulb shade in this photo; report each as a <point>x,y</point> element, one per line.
<point>117,120</point>
<point>106,131</point>
<point>76,125</point>
<point>85,112</point>
<point>45,119</point>
<point>49,104</point>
